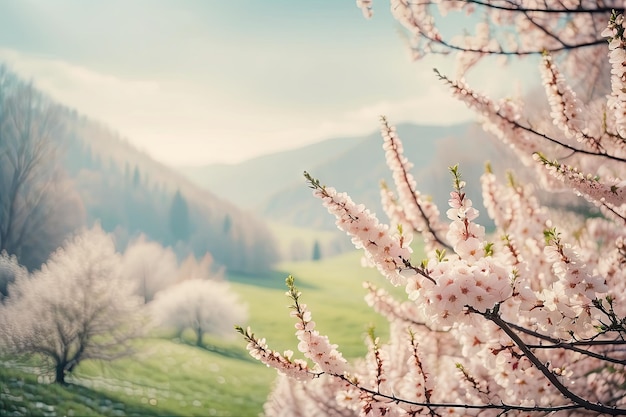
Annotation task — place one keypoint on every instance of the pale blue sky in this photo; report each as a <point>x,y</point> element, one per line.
<point>193,82</point>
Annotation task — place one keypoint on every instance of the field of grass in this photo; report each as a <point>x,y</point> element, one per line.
<point>332,288</point>
<point>163,379</point>
<point>169,378</point>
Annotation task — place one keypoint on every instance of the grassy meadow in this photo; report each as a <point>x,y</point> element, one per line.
<point>168,377</point>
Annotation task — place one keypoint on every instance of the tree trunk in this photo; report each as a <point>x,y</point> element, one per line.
<point>59,376</point>
<point>199,334</point>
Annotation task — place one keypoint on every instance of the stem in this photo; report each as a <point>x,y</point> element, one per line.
<point>414,199</point>
<point>521,9</point>
<point>494,316</point>
<point>573,346</point>
<point>502,406</point>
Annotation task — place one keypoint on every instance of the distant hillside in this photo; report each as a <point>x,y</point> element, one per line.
<point>359,170</point>
<point>250,183</point>
<point>274,186</point>
<point>131,194</point>
<point>60,171</point>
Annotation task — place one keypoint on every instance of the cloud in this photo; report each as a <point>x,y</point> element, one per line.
<point>141,109</point>
<point>180,120</point>
<point>430,108</point>
<point>71,83</point>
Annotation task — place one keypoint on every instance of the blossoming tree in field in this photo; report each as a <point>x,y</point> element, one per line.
<point>78,306</point>
<point>206,306</point>
<point>193,295</point>
<point>527,320</point>
<point>150,266</point>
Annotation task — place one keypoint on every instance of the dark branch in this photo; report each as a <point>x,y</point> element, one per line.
<point>430,405</point>
<point>494,316</point>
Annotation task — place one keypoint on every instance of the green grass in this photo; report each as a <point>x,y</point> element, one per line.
<point>169,378</point>
<point>163,378</point>
<point>179,379</point>
<point>332,288</point>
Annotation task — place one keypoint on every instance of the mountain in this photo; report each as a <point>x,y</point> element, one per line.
<point>359,171</point>
<point>250,183</point>
<point>60,171</point>
<point>274,187</point>
<point>129,193</point>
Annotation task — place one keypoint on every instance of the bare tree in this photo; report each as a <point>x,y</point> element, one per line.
<point>77,307</point>
<point>34,194</point>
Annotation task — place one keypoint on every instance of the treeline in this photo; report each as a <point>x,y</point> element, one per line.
<point>60,171</point>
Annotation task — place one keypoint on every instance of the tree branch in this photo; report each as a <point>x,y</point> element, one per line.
<point>502,406</point>
<point>494,316</point>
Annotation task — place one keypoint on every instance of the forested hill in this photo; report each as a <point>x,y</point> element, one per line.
<point>131,193</point>
<point>85,172</point>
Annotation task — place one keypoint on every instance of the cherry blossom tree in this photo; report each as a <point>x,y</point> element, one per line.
<point>204,268</point>
<point>528,320</point>
<point>10,270</point>
<point>504,29</point>
<point>205,306</point>
<point>192,295</point>
<point>77,307</point>
<point>150,266</point>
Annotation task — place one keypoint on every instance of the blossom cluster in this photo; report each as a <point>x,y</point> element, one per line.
<point>416,18</point>
<point>366,7</point>
<point>617,56</point>
<point>467,303</point>
<point>412,210</point>
<point>610,193</point>
<point>314,346</point>
<point>529,319</point>
<point>283,363</point>
<point>505,28</point>
<point>389,252</point>
<point>566,108</point>
<point>600,182</point>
